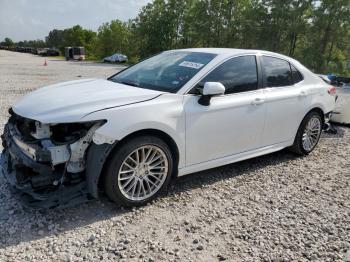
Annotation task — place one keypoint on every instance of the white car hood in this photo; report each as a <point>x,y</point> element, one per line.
<point>70,101</point>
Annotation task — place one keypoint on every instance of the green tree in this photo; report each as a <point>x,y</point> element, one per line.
<point>329,33</point>
<point>55,38</point>
<point>74,36</point>
<point>32,43</point>
<point>112,37</point>
<point>8,42</point>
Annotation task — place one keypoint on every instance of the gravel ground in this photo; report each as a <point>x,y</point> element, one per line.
<point>278,207</point>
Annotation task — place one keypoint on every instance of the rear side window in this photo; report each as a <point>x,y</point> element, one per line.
<point>277,72</point>
<point>238,74</point>
<point>296,75</point>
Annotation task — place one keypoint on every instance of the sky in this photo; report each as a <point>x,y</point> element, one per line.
<point>33,19</point>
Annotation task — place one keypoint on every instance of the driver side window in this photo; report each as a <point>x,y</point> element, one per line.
<point>238,74</point>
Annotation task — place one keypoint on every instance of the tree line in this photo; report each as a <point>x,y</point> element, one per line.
<point>316,32</point>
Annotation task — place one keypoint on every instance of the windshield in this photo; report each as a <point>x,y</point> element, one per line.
<point>167,72</point>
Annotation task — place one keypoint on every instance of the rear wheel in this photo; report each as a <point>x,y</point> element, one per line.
<point>138,171</point>
<point>309,133</point>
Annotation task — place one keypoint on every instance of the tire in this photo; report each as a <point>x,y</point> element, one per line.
<point>123,174</point>
<point>300,145</point>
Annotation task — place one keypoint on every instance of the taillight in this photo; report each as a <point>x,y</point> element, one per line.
<point>332,90</point>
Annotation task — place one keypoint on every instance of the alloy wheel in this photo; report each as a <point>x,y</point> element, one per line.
<point>311,133</point>
<point>143,172</point>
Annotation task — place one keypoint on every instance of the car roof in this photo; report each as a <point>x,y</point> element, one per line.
<point>233,51</point>
<point>217,51</point>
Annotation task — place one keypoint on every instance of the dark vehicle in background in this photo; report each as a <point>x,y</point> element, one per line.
<point>74,53</point>
<point>43,51</point>
<point>48,51</point>
<point>116,58</point>
<point>341,81</point>
<point>23,49</point>
<point>53,52</point>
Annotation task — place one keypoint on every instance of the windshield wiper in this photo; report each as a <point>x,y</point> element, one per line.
<point>130,83</point>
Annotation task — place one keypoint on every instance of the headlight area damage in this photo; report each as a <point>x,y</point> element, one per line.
<point>47,162</point>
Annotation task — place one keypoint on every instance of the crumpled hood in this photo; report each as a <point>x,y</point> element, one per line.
<point>70,101</point>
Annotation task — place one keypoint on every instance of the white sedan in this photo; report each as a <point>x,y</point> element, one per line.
<point>176,113</point>
<point>116,58</point>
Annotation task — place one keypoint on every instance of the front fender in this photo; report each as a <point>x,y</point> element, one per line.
<point>164,114</point>
<point>96,158</point>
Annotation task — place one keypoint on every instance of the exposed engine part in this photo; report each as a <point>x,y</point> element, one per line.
<point>77,161</point>
<point>28,150</point>
<point>59,154</point>
<point>41,131</point>
<point>24,126</point>
<point>69,133</point>
<point>72,154</point>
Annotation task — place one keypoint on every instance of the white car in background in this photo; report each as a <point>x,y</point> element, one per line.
<point>341,113</point>
<point>176,113</point>
<point>116,58</point>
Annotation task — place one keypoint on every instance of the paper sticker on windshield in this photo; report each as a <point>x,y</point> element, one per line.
<point>191,64</point>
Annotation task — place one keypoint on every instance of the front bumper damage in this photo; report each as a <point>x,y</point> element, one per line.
<point>46,174</point>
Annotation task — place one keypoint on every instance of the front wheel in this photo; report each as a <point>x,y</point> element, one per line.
<point>309,133</point>
<point>138,170</point>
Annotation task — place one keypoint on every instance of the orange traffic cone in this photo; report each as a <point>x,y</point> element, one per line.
<point>45,63</point>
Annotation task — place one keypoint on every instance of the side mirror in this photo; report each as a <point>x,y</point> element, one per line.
<point>211,89</point>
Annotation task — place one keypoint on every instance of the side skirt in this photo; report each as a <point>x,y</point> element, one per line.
<point>233,158</point>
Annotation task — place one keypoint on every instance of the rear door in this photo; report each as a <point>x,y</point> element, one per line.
<point>285,99</point>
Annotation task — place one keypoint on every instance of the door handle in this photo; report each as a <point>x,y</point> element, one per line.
<point>302,94</point>
<point>258,101</point>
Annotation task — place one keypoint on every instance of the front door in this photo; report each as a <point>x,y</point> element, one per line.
<point>233,122</point>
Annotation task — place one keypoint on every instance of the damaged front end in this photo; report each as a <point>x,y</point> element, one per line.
<point>47,162</point>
